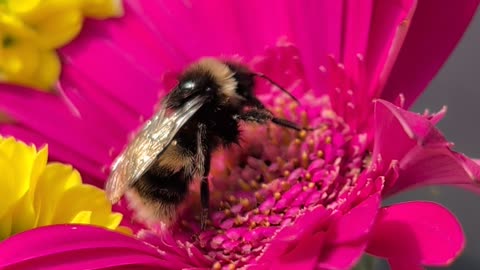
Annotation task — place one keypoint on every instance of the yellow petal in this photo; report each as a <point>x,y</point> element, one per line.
<point>7,146</point>
<point>124,230</point>
<point>36,193</point>
<point>25,216</point>
<point>23,6</point>
<point>22,163</point>
<point>82,217</point>
<point>33,11</point>
<point>102,9</point>
<point>9,192</point>
<point>20,61</point>
<point>47,73</point>
<point>79,198</point>
<point>101,207</point>
<point>104,217</point>
<point>20,71</point>
<point>113,221</point>
<point>38,167</point>
<point>31,31</point>
<point>54,181</point>
<point>18,166</point>
<point>12,25</point>
<point>59,28</point>
<point>5,226</point>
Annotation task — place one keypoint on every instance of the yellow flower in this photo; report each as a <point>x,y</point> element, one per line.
<point>32,30</point>
<point>36,193</point>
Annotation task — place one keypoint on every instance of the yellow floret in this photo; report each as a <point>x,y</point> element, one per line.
<point>37,193</point>
<point>32,30</point>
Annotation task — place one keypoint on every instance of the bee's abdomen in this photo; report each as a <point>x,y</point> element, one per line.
<point>163,187</point>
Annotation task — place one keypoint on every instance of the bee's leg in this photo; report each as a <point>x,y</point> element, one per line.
<point>205,193</point>
<point>203,159</point>
<point>262,116</point>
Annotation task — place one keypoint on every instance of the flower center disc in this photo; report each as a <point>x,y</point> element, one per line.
<point>277,174</point>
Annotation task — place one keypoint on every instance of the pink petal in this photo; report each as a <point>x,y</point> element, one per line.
<point>358,21</point>
<point>315,240</point>
<point>440,24</point>
<point>324,36</point>
<point>100,61</point>
<point>30,109</point>
<point>304,256</point>
<point>348,237</point>
<point>424,156</point>
<point>176,248</point>
<point>420,233</point>
<point>436,166</point>
<point>387,33</point>
<point>40,117</point>
<point>292,242</point>
<point>79,247</point>
<point>372,35</point>
<point>217,21</point>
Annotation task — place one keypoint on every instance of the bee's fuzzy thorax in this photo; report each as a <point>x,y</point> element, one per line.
<point>222,75</point>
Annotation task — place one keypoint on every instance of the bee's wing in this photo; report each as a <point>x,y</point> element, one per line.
<point>149,143</point>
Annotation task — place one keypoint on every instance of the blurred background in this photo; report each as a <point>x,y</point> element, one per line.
<point>458,86</point>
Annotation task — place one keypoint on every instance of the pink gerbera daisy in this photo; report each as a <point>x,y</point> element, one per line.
<point>306,200</point>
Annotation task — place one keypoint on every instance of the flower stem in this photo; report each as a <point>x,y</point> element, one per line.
<point>367,262</point>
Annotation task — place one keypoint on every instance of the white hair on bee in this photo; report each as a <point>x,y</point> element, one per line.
<point>150,213</point>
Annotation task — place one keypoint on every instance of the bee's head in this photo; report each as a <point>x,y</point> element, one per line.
<point>215,80</point>
<point>191,85</point>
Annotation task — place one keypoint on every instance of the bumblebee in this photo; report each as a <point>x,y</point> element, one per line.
<point>174,147</point>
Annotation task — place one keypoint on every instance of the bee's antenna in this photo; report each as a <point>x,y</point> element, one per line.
<point>263,76</point>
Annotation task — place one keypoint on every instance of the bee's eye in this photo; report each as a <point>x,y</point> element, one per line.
<point>187,86</point>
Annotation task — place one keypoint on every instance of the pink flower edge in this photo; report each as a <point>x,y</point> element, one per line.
<point>77,247</point>
<point>414,234</point>
<point>412,151</point>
